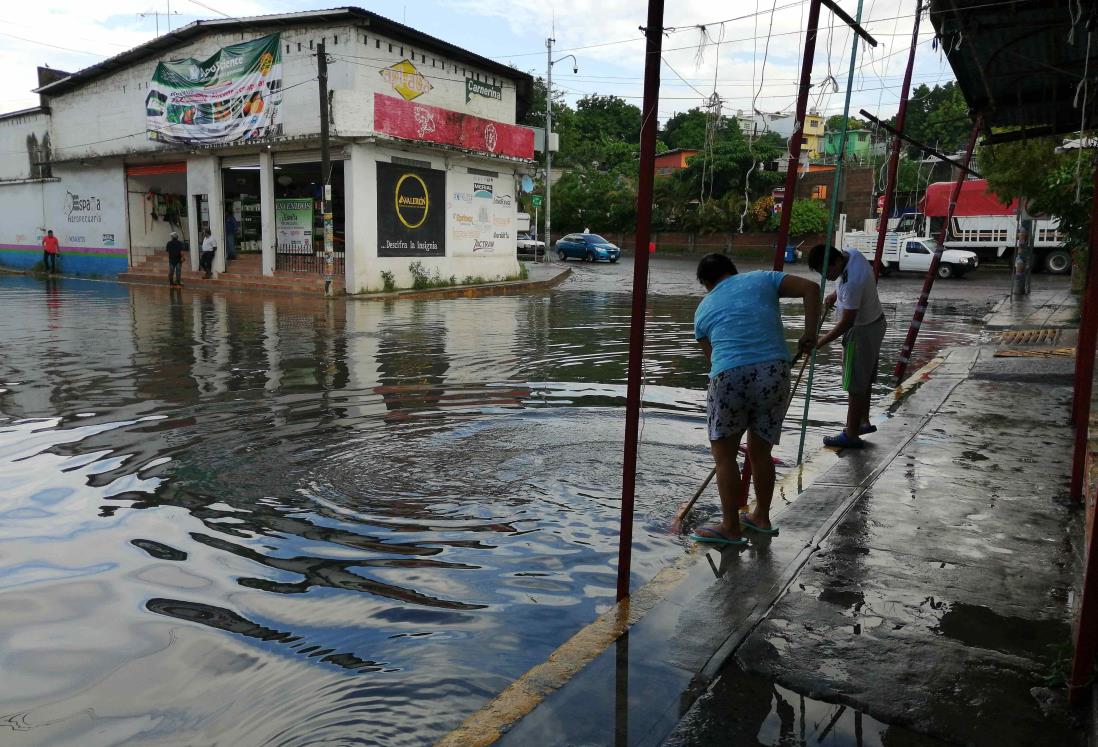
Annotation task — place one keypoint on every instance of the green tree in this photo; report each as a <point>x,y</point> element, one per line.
<point>608,118</point>
<point>835,123</point>
<point>938,117</point>
<point>809,217</point>
<point>685,130</point>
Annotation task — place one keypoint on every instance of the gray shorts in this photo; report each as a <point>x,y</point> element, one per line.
<point>861,351</point>
<point>749,398</point>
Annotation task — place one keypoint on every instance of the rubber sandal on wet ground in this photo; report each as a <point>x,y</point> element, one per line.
<point>718,537</point>
<point>745,520</point>
<point>866,429</point>
<point>843,441</point>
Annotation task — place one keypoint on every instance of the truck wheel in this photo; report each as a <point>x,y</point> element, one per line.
<point>946,271</point>
<point>885,270</point>
<point>1058,262</point>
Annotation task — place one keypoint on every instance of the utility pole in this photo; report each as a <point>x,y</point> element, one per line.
<point>548,137</point>
<point>325,169</point>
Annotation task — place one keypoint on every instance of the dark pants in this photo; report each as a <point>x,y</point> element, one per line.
<point>50,261</point>
<point>175,271</point>
<point>206,262</point>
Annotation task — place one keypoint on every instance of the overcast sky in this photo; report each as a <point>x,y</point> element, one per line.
<point>731,54</point>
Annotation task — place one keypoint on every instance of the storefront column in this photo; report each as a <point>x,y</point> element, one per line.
<point>268,239</point>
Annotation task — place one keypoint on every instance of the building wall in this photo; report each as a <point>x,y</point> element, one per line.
<point>365,267</point>
<point>856,193</point>
<point>107,116</point>
<point>15,162</point>
<point>86,209</point>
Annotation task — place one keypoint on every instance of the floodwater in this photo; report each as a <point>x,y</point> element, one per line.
<point>234,520</point>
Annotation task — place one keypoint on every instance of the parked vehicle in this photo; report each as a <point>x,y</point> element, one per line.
<point>983,224</point>
<point>589,247</point>
<point>528,246</point>
<point>908,252</point>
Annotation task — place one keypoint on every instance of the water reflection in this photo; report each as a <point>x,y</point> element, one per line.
<point>284,521</point>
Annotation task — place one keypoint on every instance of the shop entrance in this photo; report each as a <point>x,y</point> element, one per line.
<point>299,223</point>
<point>156,206</point>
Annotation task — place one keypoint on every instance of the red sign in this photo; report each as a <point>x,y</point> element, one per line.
<point>880,204</point>
<point>431,124</point>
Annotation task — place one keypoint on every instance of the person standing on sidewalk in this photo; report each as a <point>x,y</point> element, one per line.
<point>861,325</point>
<point>50,251</point>
<point>231,227</point>
<point>209,249</point>
<point>175,260</point>
<point>739,327</point>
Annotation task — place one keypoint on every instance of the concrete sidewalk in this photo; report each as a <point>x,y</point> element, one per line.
<point>918,594</point>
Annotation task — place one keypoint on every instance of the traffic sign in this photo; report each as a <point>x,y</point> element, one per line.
<point>536,199</point>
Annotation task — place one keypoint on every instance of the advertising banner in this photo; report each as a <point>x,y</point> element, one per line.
<point>231,97</point>
<point>294,225</point>
<point>411,217</point>
<point>481,215</point>
<point>432,124</point>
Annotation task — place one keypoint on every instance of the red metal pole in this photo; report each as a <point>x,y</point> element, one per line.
<point>1084,358</point>
<point>1086,623</point>
<point>932,272</point>
<point>654,52</point>
<point>894,156</point>
<point>798,133</point>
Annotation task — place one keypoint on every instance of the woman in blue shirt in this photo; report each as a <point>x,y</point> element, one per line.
<point>739,326</point>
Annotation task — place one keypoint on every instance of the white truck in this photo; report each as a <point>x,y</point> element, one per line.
<point>908,252</point>
<point>983,224</point>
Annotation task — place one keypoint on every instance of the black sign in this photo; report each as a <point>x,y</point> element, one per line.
<point>411,211</point>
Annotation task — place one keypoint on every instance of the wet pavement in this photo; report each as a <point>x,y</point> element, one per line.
<point>230,520</point>
<point>919,593</point>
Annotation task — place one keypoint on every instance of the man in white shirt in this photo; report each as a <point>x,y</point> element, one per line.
<point>209,248</point>
<point>861,326</point>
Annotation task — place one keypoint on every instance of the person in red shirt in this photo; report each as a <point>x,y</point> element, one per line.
<point>50,250</point>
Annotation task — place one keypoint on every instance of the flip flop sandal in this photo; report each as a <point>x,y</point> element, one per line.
<point>745,520</point>
<point>865,430</point>
<point>719,538</point>
<point>843,441</point>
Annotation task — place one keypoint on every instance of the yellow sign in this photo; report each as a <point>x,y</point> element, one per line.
<point>412,201</point>
<point>406,80</point>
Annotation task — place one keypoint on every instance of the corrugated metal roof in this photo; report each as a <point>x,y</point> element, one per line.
<point>174,39</point>
<point>1020,62</point>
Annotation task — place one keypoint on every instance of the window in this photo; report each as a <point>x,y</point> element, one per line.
<point>377,43</point>
<point>819,192</point>
<point>915,247</point>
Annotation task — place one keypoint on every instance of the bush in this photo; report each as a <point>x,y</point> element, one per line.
<point>809,217</point>
<point>388,281</point>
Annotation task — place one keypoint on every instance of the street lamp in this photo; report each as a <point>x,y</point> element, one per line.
<point>548,134</point>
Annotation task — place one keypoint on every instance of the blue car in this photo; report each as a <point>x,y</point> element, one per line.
<point>587,246</point>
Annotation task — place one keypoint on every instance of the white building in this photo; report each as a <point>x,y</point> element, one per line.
<point>223,116</point>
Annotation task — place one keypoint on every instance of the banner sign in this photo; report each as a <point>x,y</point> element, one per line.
<point>481,215</point>
<point>294,225</point>
<point>232,97</point>
<point>479,88</point>
<point>432,124</point>
<point>411,217</point>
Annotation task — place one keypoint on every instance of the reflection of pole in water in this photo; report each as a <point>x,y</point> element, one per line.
<point>621,691</point>
<point>272,346</point>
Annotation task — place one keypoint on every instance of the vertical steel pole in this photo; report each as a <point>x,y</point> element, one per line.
<point>1084,355</point>
<point>1086,623</point>
<point>653,55</point>
<point>932,272</point>
<point>325,169</point>
<point>830,237</point>
<point>897,142</point>
<point>548,135</point>
<point>798,134</point>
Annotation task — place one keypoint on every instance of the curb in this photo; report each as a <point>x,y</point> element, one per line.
<point>468,291</point>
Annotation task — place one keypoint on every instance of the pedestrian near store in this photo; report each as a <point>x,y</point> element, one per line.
<point>231,227</point>
<point>209,249</point>
<point>861,325</point>
<point>175,260</point>
<point>739,327</point>
<point>51,249</point>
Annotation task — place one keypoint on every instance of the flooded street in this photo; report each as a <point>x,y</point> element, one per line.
<point>234,520</point>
